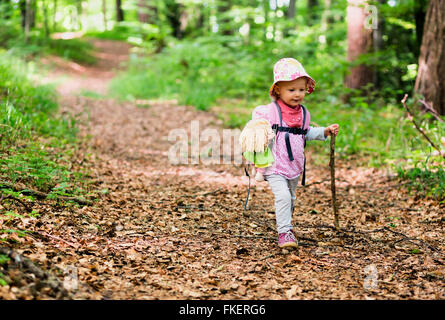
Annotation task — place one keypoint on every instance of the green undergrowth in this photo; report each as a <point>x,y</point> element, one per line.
<point>36,143</point>
<point>148,36</point>
<point>428,181</point>
<point>13,40</point>
<point>228,78</point>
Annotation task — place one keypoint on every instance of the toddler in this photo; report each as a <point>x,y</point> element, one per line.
<point>290,121</point>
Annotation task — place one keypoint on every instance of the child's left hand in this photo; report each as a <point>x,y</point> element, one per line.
<point>332,129</point>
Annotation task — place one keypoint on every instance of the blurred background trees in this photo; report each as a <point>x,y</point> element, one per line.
<point>384,57</point>
<point>219,54</point>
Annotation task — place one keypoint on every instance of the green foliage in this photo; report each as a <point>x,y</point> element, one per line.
<point>24,108</point>
<point>35,142</point>
<point>144,35</point>
<point>76,50</point>
<point>222,57</point>
<point>234,73</point>
<point>201,71</point>
<point>426,181</point>
<point>4,259</point>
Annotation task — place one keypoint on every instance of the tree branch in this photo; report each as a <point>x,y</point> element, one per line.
<point>411,117</point>
<point>43,194</point>
<point>431,110</point>
<point>334,197</point>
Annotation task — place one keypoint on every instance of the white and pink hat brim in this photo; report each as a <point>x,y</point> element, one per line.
<point>289,69</point>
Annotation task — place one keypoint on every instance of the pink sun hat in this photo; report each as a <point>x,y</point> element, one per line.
<point>289,69</point>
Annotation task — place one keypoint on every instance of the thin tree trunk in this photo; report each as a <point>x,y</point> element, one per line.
<point>45,20</point>
<point>326,20</point>
<point>79,14</point>
<point>119,11</point>
<point>54,16</point>
<point>266,8</point>
<point>173,12</point>
<point>183,21</point>
<point>327,16</point>
<point>201,17</point>
<point>142,11</point>
<point>104,13</point>
<point>27,19</point>
<point>32,13</point>
<point>224,24</point>
<point>420,8</point>
<point>359,42</point>
<point>378,42</point>
<point>431,75</point>
<point>292,9</point>
<point>147,11</point>
<point>312,6</point>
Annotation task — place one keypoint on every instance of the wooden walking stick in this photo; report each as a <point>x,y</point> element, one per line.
<point>332,165</point>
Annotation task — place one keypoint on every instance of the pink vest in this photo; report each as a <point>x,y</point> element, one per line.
<point>282,165</point>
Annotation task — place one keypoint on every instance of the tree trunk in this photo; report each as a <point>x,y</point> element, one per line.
<point>173,14</point>
<point>377,35</point>
<point>359,42</point>
<point>119,11</point>
<point>32,13</point>
<point>327,15</point>
<point>27,19</point>
<point>292,9</point>
<point>147,11</point>
<point>420,7</point>
<point>326,21</point>
<point>54,16</point>
<point>201,21</point>
<point>311,11</point>
<point>45,20</point>
<point>266,7</point>
<point>27,12</point>
<point>104,13</point>
<point>79,14</point>
<point>224,22</point>
<point>431,75</point>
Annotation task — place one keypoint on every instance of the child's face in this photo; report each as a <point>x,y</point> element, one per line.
<point>292,92</point>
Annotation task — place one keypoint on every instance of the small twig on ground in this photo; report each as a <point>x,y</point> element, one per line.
<point>202,194</point>
<point>76,246</point>
<point>267,257</point>
<point>383,229</point>
<point>18,200</point>
<point>244,236</point>
<point>43,194</point>
<point>318,182</point>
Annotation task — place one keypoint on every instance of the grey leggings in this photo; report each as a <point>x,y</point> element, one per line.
<point>284,191</point>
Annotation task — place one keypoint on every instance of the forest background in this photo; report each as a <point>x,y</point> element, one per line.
<point>218,56</point>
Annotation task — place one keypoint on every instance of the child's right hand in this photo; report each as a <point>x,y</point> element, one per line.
<point>332,129</point>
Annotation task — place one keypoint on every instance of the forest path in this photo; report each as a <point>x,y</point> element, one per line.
<point>164,231</point>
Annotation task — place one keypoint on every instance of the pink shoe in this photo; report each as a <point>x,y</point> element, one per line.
<point>287,240</point>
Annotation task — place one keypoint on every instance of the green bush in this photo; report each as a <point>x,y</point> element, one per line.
<point>426,181</point>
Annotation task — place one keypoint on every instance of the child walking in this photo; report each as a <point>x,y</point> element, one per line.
<point>290,121</point>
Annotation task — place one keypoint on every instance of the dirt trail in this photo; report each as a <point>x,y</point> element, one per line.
<point>163,231</point>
